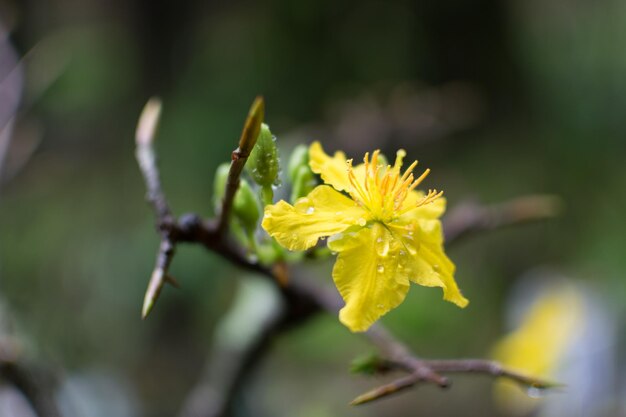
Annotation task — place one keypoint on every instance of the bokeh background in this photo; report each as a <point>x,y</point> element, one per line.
<point>499,98</point>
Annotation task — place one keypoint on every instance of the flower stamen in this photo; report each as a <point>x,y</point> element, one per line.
<point>356,186</point>
<point>420,179</point>
<point>384,189</point>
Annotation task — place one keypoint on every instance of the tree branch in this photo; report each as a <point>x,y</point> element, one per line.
<point>147,160</point>
<point>479,366</point>
<point>471,218</point>
<point>226,387</point>
<point>248,138</point>
<point>303,299</point>
<point>37,384</point>
<point>146,157</point>
<point>482,366</point>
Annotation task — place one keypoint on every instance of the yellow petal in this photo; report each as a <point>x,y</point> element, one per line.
<point>432,210</point>
<point>429,231</point>
<point>369,274</point>
<point>334,171</point>
<point>323,212</point>
<point>415,231</point>
<point>538,346</point>
<point>432,259</point>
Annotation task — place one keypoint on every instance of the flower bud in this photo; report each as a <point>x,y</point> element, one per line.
<point>219,184</point>
<point>246,206</point>
<point>299,157</point>
<point>263,161</point>
<point>302,183</point>
<point>300,174</point>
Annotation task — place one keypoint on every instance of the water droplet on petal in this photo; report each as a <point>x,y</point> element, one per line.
<point>335,237</point>
<point>361,222</point>
<point>310,210</point>
<point>323,238</point>
<point>436,268</point>
<point>411,247</point>
<point>380,268</point>
<point>382,246</point>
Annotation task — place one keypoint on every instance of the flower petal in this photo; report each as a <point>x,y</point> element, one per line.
<point>431,260</point>
<point>369,274</point>
<point>432,210</point>
<point>334,171</point>
<point>323,212</point>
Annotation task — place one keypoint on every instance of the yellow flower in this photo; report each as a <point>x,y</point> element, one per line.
<point>386,233</point>
<point>539,344</point>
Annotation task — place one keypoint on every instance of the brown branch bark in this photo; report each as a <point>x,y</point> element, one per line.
<point>248,138</point>
<point>414,377</point>
<point>471,218</point>
<point>37,384</point>
<point>226,388</point>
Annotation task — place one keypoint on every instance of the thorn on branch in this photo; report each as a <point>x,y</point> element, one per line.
<point>160,276</point>
<point>146,157</point>
<point>148,122</point>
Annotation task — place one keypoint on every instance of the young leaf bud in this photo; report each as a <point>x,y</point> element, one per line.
<point>246,206</point>
<point>263,161</point>
<point>299,157</point>
<point>219,184</point>
<point>302,183</point>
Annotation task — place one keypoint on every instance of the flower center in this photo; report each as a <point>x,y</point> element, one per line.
<point>383,189</point>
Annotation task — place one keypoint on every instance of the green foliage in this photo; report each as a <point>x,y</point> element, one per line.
<point>368,364</point>
<point>246,207</point>
<point>302,178</point>
<point>263,163</point>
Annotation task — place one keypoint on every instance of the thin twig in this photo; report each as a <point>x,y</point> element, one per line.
<point>146,157</point>
<point>248,139</point>
<point>396,352</point>
<point>478,366</point>
<point>469,218</point>
<point>487,367</point>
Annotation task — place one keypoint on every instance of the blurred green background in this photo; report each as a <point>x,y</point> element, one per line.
<point>499,98</point>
